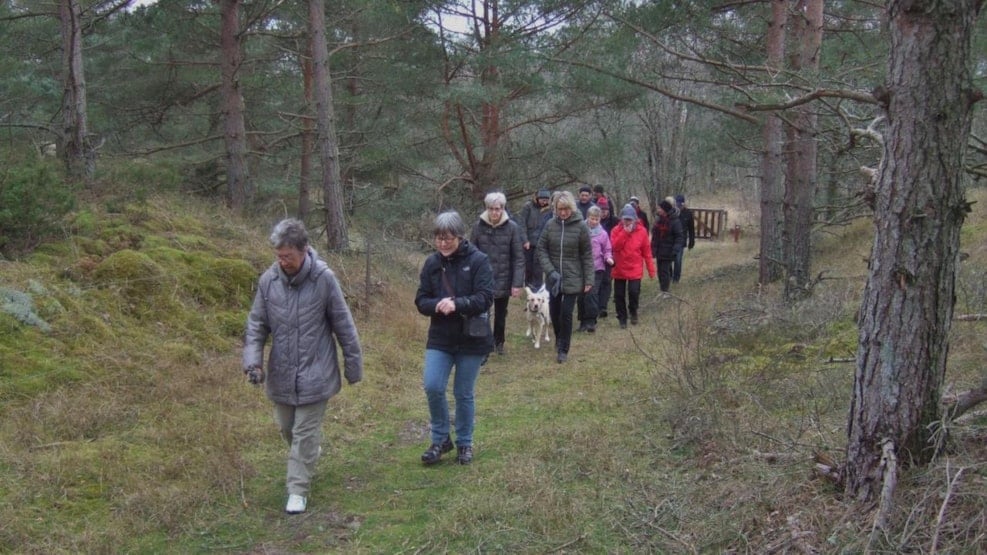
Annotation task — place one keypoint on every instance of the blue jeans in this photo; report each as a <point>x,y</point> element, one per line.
<point>438,366</point>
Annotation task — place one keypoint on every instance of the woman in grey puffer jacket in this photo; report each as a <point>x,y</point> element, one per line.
<point>500,238</point>
<point>301,306</point>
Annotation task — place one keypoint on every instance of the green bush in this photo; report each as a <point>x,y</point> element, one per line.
<point>33,199</point>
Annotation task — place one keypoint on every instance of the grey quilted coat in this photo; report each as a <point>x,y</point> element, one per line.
<point>306,315</point>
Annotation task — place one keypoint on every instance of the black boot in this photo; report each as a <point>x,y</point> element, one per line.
<point>435,451</point>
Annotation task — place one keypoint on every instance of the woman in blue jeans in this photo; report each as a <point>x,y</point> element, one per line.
<point>456,282</point>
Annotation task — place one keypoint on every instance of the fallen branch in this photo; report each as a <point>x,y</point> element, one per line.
<point>889,462</point>
<point>970,317</point>
<point>566,545</point>
<point>966,401</point>
<point>942,508</point>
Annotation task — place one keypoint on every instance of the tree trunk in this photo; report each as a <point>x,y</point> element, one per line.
<point>919,209</point>
<point>77,151</point>
<point>308,140</point>
<point>238,188</point>
<point>801,175</point>
<point>337,238</point>
<point>772,190</point>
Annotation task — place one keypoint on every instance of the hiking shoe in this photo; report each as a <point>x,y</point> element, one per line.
<point>435,451</point>
<point>623,325</point>
<point>633,319</point>
<point>296,504</point>
<point>591,329</point>
<point>582,327</point>
<point>602,314</point>
<point>500,348</point>
<point>561,358</point>
<point>464,454</point>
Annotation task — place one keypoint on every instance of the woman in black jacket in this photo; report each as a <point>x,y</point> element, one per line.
<point>456,283</point>
<point>667,240</point>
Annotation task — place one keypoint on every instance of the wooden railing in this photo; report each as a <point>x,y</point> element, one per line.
<point>710,224</point>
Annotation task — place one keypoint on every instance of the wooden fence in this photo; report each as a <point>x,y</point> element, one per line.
<point>710,224</point>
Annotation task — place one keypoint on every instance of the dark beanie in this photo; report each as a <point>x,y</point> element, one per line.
<point>628,212</point>
<point>666,206</point>
<point>680,199</point>
<point>543,193</point>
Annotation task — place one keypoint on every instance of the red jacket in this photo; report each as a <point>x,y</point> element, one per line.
<point>631,251</point>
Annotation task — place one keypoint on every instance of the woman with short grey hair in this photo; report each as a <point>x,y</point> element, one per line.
<point>301,306</point>
<point>501,239</point>
<point>455,283</point>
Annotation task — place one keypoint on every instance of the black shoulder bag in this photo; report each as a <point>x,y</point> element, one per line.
<point>473,326</point>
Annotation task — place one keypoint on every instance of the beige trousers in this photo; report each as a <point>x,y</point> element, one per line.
<point>301,427</point>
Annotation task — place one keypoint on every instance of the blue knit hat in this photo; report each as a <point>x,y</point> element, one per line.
<point>628,212</point>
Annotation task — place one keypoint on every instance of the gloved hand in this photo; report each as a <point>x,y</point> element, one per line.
<point>554,283</point>
<point>255,374</point>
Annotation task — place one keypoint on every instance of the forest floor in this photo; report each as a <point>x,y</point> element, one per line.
<point>128,426</point>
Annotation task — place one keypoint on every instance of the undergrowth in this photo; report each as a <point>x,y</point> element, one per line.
<point>127,425</point>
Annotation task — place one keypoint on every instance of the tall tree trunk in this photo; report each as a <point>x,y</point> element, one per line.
<point>801,174</point>
<point>772,188</point>
<point>337,238</point>
<point>919,209</point>
<point>238,188</point>
<point>77,151</point>
<point>308,139</point>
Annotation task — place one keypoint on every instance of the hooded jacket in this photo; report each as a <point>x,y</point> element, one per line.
<point>631,253</point>
<point>564,247</point>
<point>306,315</point>
<point>469,275</point>
<point>501,242</point>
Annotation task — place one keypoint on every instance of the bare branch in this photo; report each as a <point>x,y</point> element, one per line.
<point>661,90</point>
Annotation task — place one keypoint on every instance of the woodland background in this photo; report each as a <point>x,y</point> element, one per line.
<point>366,117</point>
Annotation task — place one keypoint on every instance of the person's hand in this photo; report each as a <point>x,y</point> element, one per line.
<point>527,245</point>
<point>610,262</point>
<point>255,374</point>
<point>515,292</point>
<point>446,306</point>
<point>587,288</point>
<point>691,245</point>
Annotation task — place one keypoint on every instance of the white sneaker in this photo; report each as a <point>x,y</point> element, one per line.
<point>296,504</point>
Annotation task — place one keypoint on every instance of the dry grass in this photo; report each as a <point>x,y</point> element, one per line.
<point>694,432</point>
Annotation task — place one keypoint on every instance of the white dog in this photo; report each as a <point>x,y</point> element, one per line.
<point>539,320</point>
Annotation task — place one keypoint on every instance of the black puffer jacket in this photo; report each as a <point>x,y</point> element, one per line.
<point>469,275</point>
<point>502,244</point>
<point>667,237</point>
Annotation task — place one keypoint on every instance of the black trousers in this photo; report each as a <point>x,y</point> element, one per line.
<point>560,308</point>
<point>626,296</point>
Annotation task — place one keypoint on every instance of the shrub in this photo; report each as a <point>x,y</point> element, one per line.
<point>33,199</point>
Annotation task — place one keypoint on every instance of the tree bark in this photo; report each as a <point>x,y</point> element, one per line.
<point>919,209</point>
<point>238,188</point>
<point>801,174</point>
<point>308,139</point>
<point>772,189</point>
<point>77,152</point>
<point>337,238</point>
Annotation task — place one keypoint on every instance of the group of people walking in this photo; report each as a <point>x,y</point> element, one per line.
<point>576,248</point>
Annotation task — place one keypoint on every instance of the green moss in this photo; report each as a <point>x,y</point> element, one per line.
<point>207,279</point>
<point>142,283</point>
